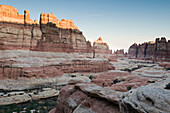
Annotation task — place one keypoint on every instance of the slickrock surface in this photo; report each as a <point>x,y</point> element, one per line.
<point>158,50</point>
<point>153,98</point>
<point>14,99</point>
<point>22,63</point>
<point>87,98</point>
<point>20,97</point>
<point>120,81</point>
<point>83,97</point>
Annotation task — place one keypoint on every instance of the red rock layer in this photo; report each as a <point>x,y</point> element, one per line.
<point>158,50</point>
<point>10,72</point>
<point>101,98</point>
<point>44,38</point>
<point>74,100</point>
<point>120,81</point>
<point>20,32</point>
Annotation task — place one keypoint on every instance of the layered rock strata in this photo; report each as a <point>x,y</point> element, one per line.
<point>101,47</point>
<point>24,63</point>
<point>46,49</point>
<point>158,50</point>
<point>91,98</point>
<point>20,32</point>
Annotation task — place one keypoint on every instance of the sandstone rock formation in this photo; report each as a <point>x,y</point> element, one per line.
<point>101,47</point>
<point>165,65</point>
<point>10,14</point>
<point>158,50</point>
<point>91,98</point>
<point>120,81</point>
<point>64,23</point>
<point>24,63</point>
<point>119,53</point>
<point>20,32</point>
<point>87,98</point>
<point>132,51</point>
<point>46,49</point>
<point>153,98</point>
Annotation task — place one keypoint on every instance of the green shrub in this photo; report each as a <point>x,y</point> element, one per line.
<point>90,77</point>
<point>129,87</point>
<point>123,80</point>
<point>82,74</point>
<point>167,86</point>
<point>115,81</point>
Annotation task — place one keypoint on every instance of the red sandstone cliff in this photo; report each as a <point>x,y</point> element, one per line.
<point>20,32</point>
<point>158,50</point>
<point>46,49</point>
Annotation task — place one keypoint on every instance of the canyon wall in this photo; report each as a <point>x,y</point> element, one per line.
<point>20,32</point>
<point>44,49</point>
<point>158,50</point>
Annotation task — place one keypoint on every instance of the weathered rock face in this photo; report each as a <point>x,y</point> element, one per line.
<point>132,51</point>
<point>158,50</point>
<point>25,63</point>
<point>87,98</point>
<point>153,98</point>
<point>101,47</point>
<point>62,46</point>
<point>119,53</point>
<point>120,81</point>
<point>142,50</point>
<point>91,98</point>
<point>18,36</point>
<point>20,32</point>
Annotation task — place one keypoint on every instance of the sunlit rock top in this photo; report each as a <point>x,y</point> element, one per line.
<point>10,14</point>
<point>100,40</point>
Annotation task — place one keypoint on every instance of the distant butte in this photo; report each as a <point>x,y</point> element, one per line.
<point>101,47</point>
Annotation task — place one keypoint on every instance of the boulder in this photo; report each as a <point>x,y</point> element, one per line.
<point>87,98</point>
<point>120,80</point>
<point>153,98</point>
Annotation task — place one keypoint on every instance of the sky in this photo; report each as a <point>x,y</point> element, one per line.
<point>119,22</point>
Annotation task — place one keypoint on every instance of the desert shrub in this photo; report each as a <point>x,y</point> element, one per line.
<point>115,81</point>
<point>167,86</point>
<point>90,77</point>
<point>129,87</point>
<point>73,76</point>
<point>82,74</point>
<point>35,93</point>
<point>123,80</point>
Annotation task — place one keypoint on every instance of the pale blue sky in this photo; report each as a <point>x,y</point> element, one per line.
<point>119,22</point>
